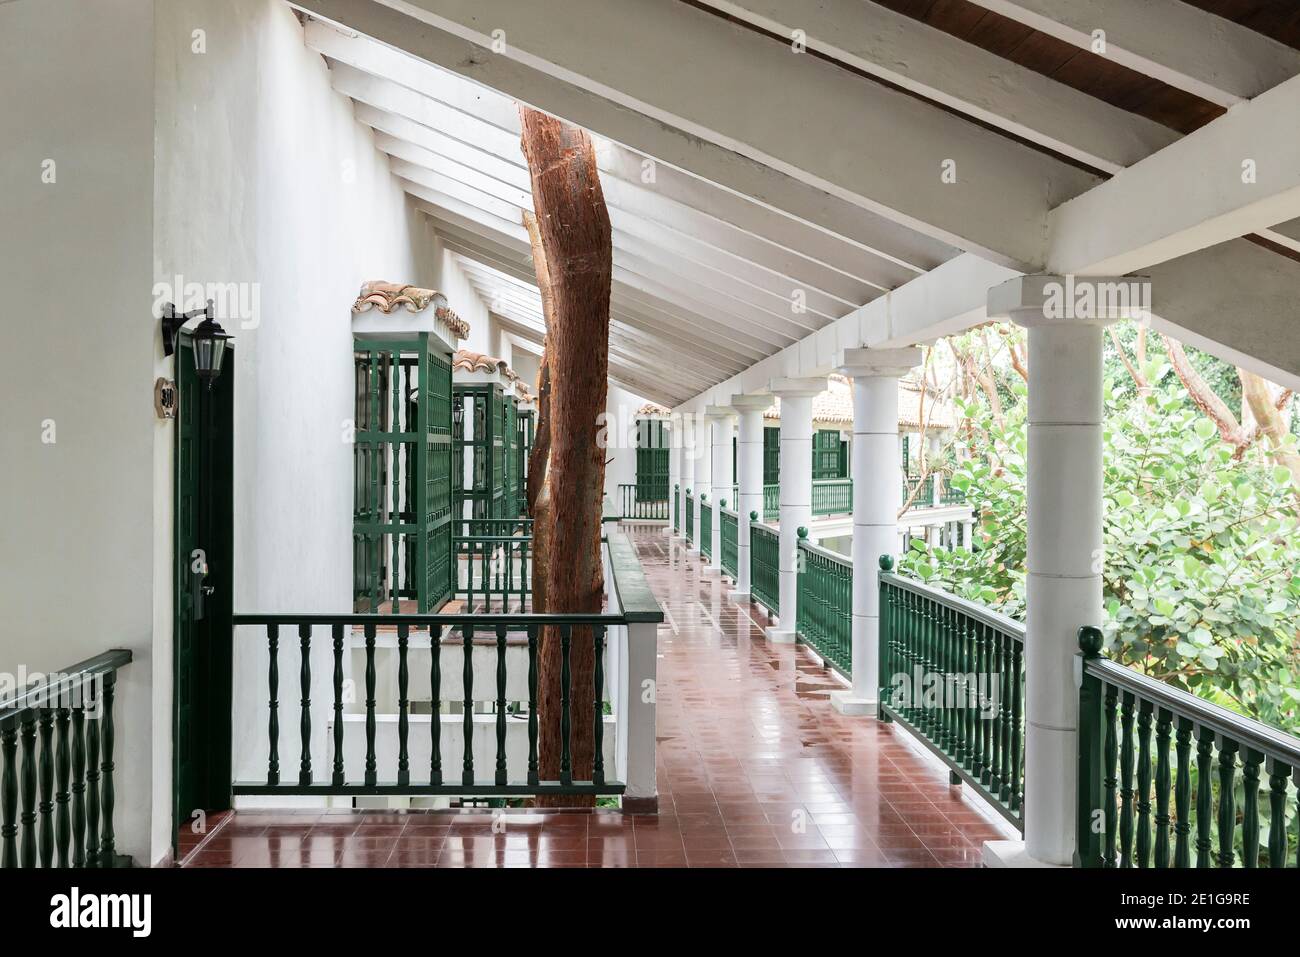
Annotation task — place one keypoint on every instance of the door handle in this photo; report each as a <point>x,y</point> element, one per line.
<point>199,591</point>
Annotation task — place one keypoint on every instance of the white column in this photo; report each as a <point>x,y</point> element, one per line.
<point>877,497</point>
<point>749,463</point>
<point>703,474</point>
<point>1063,562</point>
<point>722,418</point>
<point>796,491</point>
<point>690,439</point>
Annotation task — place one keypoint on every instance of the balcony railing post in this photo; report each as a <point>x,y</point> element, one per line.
<point>641,657</point>
<point>1090,814</point>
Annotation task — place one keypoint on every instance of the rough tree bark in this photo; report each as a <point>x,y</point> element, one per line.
<point>573,225</point>
<point>1264,409</point>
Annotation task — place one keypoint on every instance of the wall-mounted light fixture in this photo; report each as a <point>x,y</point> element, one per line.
<point>209,339</point>
<point>458,412</point>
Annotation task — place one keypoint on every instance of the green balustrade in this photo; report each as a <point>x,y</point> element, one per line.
<point>771,503</point>
<point>677,509</point>
<point>729,524</point>
<point>633,503</point>
<point>924,497</point>
<point>493,563</point>
<point>764,565</point>
<point>706,528</point>
<point>833,497</point>
<point>57,741</point>
<point>1152,794</point>
<point>479,694</point>
<point>825,607</point>
<point>952,674</point>
<point>690,518</point>
<point>949,494</point>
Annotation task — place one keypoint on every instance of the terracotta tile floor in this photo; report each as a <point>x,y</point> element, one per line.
<point>755,770</point>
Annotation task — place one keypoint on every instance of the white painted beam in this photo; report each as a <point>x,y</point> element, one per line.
<point>1175,43</point>
<point>760,105</point>
<point>1190,195</point>
<point>940,67</point>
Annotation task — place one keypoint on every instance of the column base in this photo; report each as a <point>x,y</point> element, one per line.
<point>1009,854</point>
<point>692,552</point>
<point>845,702</point>
<point>739,597</point>
<point>779,636</point>
<point>641,805</point>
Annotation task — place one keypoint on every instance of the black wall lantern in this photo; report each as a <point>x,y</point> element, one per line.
<point>209,339</point>
<point>458,412</point>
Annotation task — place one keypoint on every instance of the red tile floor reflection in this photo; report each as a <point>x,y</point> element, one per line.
<point>756,769</point>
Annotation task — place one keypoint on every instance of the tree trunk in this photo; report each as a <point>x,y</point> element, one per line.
<point>573,224</point>
<point>1263,407</point>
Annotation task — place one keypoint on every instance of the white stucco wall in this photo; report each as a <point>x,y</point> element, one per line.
<point>620,455</point>
<point>265,177</point>
<point>81,353</point>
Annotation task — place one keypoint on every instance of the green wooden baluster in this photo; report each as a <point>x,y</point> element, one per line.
<point>1164,724</point>
<point>532,704</point>
<point>337,634</point>
<point>1251,760</point>
<point>598,707</point>
<point>304,720</point>
<point>28,815</point>
<point>107,846</point>
<point>62,827</point>
<point>990,702</point>
<point>1145,710</point>
<point>273,723</point>
<point>1183,794</point>
<point>986,743</point>
<point>1227,805</point>
<point>78,788</point>
<point>1017,710</point>
<point>45,807</point>
<point>467,716</point>
<point>1004,718</point>
<point>566,722</point>
<point>1110,780</point>
<point>9,797</point>
<point>1127,792</point>
<point>369,631</point>
<point>92,787</point>
<point>1204,794</point>
<point>395,450</point>
<point>501,705</point>
<point>435,706</point>
<point>403,706</point>
<point>1278,774</point>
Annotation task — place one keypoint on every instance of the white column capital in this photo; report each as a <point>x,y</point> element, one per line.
<point>751,403</point>
<point>797,388</point>
<point>719,412</point>
<point>877,363</point>
<point>1046,300</point>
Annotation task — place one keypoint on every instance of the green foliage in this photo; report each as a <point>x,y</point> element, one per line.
<point>1201,567</point>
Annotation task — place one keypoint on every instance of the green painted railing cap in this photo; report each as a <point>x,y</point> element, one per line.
<point>722,502</point>
<point>801,531</point>
<point>753,516</point>
<point>886,562</point>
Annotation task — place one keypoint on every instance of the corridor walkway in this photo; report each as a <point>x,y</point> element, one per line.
<point>756,769</point>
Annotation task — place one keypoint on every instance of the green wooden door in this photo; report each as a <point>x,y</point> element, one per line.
<point>434,476</point>
<point>202,631</point>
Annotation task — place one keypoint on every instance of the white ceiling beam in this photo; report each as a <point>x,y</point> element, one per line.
<point>828,231</point>
<point>1191,195</point>
<point>379,96</point>
<point>1175,43</point>
<point>940,67</point>
<point>633,306</point>
<point>756,324</point>
<point>706,281</point>
<point>683,240</point>
<point>1238,301</point>
<point>760,103</point>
